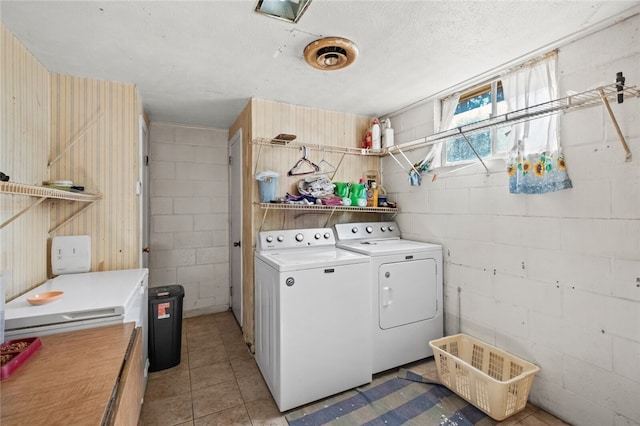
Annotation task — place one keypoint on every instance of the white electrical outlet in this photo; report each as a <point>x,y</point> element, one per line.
<point>70,255</point>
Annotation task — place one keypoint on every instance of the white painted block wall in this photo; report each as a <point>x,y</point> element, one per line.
<point>552,278</point>
<point>189,214</point>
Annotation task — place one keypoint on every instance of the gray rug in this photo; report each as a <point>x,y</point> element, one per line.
<point>405,399</point>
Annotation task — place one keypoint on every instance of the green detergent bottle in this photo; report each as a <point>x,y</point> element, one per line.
<point>358,195</point>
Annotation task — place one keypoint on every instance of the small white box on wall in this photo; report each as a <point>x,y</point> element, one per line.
<point>71,255</point>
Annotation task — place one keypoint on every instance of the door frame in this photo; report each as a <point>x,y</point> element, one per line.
<point>142,190</point>
<point>235,221</point>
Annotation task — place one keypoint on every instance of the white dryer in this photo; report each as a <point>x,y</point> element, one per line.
<point>312,316</point>
<point>406,290</point>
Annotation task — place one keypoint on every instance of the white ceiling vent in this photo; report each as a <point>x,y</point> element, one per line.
<point>330,53</point>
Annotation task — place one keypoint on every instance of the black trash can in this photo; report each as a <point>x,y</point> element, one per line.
<point>165,326</point>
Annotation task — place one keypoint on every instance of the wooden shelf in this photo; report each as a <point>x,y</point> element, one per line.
<point>43,193</point>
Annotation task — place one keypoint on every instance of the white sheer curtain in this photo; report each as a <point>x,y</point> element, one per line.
<point>535,163</point>
<point>449,105</point>
<point>433,159</point>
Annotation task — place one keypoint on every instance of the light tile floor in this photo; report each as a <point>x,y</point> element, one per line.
<point>218,383</point>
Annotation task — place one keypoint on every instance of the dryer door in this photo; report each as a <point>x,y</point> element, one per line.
<point>407,292</point>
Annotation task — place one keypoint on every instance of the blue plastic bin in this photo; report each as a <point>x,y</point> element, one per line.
<point>267,183</point>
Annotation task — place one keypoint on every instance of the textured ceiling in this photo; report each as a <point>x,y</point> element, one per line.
<point>199,62</point>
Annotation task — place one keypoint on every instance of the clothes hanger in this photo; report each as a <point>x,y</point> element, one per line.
<point>304,160</point>
<point>332,168</point>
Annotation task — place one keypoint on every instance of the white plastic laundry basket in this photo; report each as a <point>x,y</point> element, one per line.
<point>491,379</point>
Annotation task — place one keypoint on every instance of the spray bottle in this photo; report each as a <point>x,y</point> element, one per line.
<point>376,143</point>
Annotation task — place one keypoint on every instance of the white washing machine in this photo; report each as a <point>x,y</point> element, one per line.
<point>406,290</point>
<point>312,316</point>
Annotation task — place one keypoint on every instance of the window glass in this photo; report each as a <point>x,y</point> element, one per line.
<point>476,105</point>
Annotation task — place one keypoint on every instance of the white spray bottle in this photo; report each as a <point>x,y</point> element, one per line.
<point>375,135</point>
<point>387,134</point>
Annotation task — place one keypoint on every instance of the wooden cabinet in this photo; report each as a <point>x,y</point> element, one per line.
<point>130,392</point>
<point>86,377</point>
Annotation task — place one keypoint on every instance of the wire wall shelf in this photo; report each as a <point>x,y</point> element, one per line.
<point>283,143</point>
<point>46,192</point>
<point>314,208</point>
<point>600,96</point>
<point>43,193</point>
<point>323,208</point>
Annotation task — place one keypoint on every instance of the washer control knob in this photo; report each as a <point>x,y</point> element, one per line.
<point>369,229</point>
<point>299,237</point>
<point>280,238</point>
<point>383,228</point>
<point>317,236</point>
<point>354,230</point>
<point>391,228</point>
<point>269,239</point>
<point>327,235</point>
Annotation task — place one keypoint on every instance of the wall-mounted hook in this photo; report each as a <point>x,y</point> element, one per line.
<point>620,86</point>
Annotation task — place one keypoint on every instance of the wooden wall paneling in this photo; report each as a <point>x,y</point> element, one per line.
<point>102,248</point>
<point>104,159</point>
<point>314,126</point>
<point>24,146</point>
<point>129,163</point>
<point>41,113</point>
<point>91,159</point>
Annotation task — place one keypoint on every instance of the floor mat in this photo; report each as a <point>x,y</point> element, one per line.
<point>404,399</point>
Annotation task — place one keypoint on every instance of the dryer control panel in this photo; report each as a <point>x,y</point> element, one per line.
<point>367,231</point>
<point>295,238</point>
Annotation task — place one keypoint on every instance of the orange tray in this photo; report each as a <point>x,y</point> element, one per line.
<point>18,353</point>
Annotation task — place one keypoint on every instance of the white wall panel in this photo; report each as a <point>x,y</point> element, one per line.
<point>574,308</point>
<point>189,212</point>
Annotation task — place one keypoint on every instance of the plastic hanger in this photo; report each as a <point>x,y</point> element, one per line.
<point>332,168</point>
<point>304,160</point>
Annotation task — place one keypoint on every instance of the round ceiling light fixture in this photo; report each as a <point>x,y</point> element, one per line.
<point>330,53</point>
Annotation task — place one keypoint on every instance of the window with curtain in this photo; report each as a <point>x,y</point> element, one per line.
<point>475,105</point>
<point>535,162</point>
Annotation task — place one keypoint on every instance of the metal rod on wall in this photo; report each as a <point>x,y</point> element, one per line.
<point>474,150</point>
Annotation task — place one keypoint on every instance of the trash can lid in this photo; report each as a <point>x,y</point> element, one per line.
<point>166,291</point>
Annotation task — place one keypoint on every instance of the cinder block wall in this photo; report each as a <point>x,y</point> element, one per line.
<point>553,278</point>
<point>189,214</point>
